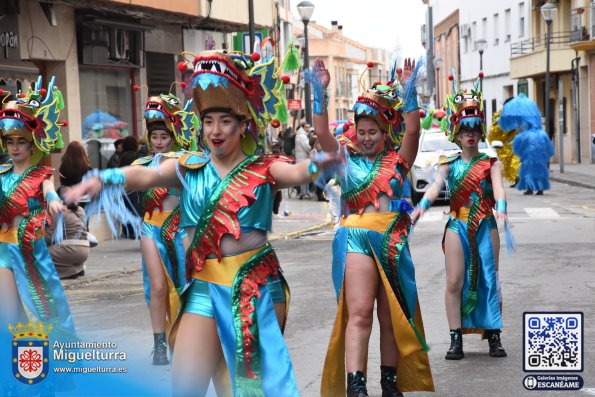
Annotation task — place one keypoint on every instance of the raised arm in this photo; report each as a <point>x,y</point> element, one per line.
<point>410,142</point>
<point>327,141</point>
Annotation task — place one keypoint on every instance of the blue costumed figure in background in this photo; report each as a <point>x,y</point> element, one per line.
<point>30,289</point>
<point>371,258</point>
<point>471,242</point>
<point>531,144</point>
<point>170,131</point>
<point>233,310</point>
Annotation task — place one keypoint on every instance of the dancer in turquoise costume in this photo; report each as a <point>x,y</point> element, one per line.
<point>531,143</point>
<point>234,308</point>
<point>371,258</point>
<point>169,129</point>
<point>30,289</point>
<point>471,242</point>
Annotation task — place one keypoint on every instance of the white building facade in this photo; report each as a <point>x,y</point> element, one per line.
<point>499,23</point>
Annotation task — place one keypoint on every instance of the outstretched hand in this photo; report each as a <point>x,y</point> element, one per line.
<point>322,72</point>
<point>405,74</point>
<point>91,186</point>
<point>416,215</point>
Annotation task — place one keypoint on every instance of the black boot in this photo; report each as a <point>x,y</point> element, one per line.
<point>388,382</point>
<point>456,345</point>
<point>160,349</point>
<point>496,349</point>
<point>356,384</point>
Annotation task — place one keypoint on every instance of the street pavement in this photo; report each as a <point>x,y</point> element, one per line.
<point>552,271</point>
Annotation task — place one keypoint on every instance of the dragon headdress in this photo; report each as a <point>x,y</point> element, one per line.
<point>463,108</point>
<point>164,112</point>
<point>34,116</point>
<point>383,104</point>
<point>242,84</point>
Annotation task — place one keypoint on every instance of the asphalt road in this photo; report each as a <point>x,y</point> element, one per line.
<point>553,270</point>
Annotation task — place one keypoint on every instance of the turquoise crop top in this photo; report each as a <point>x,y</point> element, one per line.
<point>203,181</point>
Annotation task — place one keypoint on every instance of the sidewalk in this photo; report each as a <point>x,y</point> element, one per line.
<point>112,258</point>
<point>582,175</point>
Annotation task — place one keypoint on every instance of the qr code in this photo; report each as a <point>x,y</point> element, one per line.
<point>553,342</point>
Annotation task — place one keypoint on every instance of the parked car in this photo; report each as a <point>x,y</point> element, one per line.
<point>433,144</point>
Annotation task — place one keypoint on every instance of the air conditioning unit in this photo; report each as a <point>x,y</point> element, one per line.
<point>465,30</point>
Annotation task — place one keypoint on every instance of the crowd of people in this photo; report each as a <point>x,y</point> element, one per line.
<point>214,287</point>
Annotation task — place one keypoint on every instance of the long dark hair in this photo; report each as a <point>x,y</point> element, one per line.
<point>74,162</point>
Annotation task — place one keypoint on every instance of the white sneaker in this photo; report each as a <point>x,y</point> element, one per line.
<point>92,240</point>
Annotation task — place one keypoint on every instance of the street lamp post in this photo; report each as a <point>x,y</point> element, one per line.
<point>548,12</point>
<point>438,63</point>
<point>305,8</point>
<point>481,46</point>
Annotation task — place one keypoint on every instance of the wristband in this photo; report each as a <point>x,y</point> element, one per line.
<point>52,196</point>
<point>424,204</point>
<point>312,169</point>
<point>501,205</point>
<point>110,176</point>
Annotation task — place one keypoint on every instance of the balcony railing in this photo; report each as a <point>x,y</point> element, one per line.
<point>528,46</point>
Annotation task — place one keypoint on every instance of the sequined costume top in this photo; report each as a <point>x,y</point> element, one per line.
<point>366,180</point>
<point>217,206</point>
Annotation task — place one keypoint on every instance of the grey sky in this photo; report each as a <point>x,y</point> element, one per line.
<point>376,23</point>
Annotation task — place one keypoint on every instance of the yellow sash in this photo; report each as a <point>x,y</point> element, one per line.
<point>157,218</point>
<point>11,235</point>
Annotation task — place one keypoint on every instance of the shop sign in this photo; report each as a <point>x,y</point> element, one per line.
<point>9,37</point>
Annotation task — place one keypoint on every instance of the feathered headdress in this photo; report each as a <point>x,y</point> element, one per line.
<point>385,104</point>
<point>463,108</point>
<point>243,84</point>
<point>520,113</point>
<point>164,112</point>
<point>34,116</point>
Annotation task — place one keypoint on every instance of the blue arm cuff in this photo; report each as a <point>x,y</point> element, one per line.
<point>52,196</point>
<point>501,205</point>
<point>424,204</point>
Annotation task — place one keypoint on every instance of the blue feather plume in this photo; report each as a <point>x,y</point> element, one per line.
<point>410,95</point>
<point>511,245</point>
<point>58,236</point>
<point>313,79</point>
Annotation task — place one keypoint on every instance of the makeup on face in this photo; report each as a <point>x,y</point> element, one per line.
<point>161,141</point>
<point>369,137</point>
<point>222,132</point>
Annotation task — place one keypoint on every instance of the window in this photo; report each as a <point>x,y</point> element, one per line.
<point>496,32</point>
<point>507,26</point>
<point>474,32</point>
<point>521,19</point>
<point>484,28</point>
<point>466,45</point>
<point>494,106</point>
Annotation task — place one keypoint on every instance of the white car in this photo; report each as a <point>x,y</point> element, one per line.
<point>433,144</point>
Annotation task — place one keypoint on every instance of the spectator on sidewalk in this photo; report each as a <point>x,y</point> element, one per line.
<point>114,160</point>
<point>302,152</point>
<point>70,255</point>
<point>288,141</point>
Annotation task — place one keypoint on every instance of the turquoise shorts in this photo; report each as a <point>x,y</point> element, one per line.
<point>357,241</point>
<point>452,224</point>
<point>198,299</point>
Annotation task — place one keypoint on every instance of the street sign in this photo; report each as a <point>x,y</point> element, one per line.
<point>294,104</point>
<point>246,41</point>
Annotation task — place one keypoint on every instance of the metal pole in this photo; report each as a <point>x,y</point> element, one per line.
<point>561,127</point>
<point>438,88</point>
<point>251,24</point>
<point>306,66</point>
<point>481,69</point>
<point>547,82</point>
<point>576,105</point>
